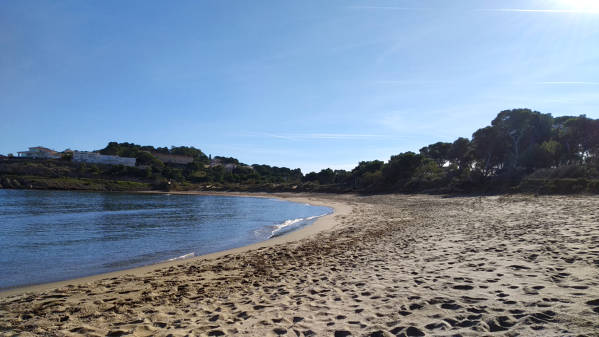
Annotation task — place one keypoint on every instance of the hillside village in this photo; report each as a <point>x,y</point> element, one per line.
<point>96,157</point>
<point>127,166</point>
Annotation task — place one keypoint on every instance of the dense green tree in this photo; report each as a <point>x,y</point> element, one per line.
<point>226,160</point>
<point>580,136</point>
<point>367,166</point>
<point>535,157</point>
<point>428,174</point>
<point>311,177</point>
<point>489,150</point>
<point>371,181</point>
<point>111,149</point>
<point>342,177</point>
<point>278,174</point>
<point>439,152</point>
<point>524,128</point>
<point>401,167</point>
<point>460,153</point>
<point>145,158</point>
<point>326,176</point>
<point>553,149</point>
<point>362,175</point>
<point>189,151</point>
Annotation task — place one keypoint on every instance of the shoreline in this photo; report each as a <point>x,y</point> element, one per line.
<point>396,265</point>
<point>321,224</point>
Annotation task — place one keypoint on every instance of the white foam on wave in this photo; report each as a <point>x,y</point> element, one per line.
<point>186,256</point>
<point>280,227</point>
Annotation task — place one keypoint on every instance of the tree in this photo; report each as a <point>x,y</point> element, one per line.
<point>460,153</point>
<point>312,176</point>
<point>326,176</point>
<point>145,158</point>
<point>364,167</point>
<point>439,152</point>
<point>535,157</point>
<point>553,149</point>
<point>524,128</point>
<point>401,167</point>
<point>111,149</point>
<point>580,137</point>
<point>367,166</point>
<point>427,175</point>
<point>342,176</point>
<point>226,160</point>
<point>190,152</point>
<point>489,148</point>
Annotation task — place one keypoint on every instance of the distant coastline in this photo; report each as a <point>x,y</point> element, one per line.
<point>521,151</point>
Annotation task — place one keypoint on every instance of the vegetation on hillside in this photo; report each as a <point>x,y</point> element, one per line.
<point>522,150</point>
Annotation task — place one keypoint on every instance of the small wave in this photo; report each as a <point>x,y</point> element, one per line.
<point>289,225</point>
<point>182,257</point>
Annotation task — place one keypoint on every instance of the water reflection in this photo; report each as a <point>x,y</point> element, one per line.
<point>52,235</point>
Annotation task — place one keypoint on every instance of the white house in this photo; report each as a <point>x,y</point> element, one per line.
<point>97,158</point>
<point>40,152</point>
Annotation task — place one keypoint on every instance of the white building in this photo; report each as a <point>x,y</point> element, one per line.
<point>40,152</point>
<point>97,158</point>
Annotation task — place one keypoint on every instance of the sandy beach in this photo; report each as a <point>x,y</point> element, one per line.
<point>386,265</point>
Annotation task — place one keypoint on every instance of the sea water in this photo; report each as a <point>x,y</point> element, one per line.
<point>48,236</point>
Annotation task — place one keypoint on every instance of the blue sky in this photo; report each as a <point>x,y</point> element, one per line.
<point>308,84</point>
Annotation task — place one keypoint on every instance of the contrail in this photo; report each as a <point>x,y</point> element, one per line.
<point>513,10</point>
<point>521,10</point>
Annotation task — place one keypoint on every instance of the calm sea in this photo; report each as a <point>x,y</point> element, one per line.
<point>48,236</point>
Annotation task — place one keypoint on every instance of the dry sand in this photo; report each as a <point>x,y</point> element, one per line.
<point>380,266</point>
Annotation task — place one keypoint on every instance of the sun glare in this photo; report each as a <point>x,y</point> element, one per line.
<point>590,6</point>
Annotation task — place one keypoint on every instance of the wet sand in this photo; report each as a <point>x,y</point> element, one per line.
<point>380,266</point>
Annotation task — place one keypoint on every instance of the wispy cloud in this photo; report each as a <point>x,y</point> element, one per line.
<point>393,8</point>
<point>524,10</point>
<point>513,10</point>
<point>324,136</point>
<point>438,82</point>
<point>568,83</point>
<point>409,82</point>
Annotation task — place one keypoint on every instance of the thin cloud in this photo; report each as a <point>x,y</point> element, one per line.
<point>568,83</point>
<point>409,82</point>
<point>522,10</point>
<point>512,10</point>
<point>433,82</point>
<point>323,136</point>
<point>393,8</point>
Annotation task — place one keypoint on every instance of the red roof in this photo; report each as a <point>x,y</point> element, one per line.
<point>44,149</point>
